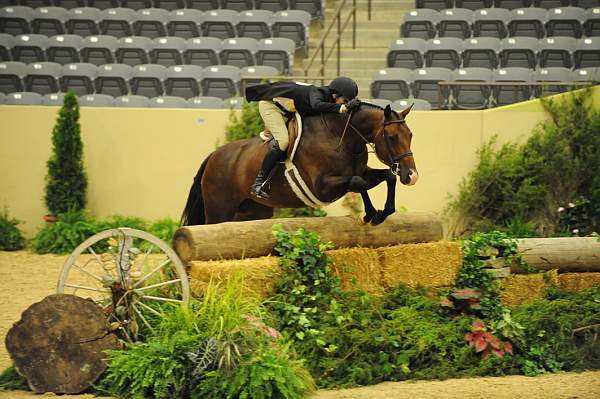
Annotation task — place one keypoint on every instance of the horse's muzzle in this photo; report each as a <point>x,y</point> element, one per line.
<point>408,179</point>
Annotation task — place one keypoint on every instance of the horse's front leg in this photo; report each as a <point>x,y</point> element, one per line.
<point>374,177</point>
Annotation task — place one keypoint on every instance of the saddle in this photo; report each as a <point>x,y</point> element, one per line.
<point>292,126</point>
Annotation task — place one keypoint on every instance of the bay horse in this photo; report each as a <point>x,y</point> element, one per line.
<point>331,158</point>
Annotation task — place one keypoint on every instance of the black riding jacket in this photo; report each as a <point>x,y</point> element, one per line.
<point>308,99</point>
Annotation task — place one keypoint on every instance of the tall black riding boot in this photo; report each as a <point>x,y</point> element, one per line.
<point>274,155</point>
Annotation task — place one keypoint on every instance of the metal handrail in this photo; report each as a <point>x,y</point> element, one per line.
<point>337,19</point>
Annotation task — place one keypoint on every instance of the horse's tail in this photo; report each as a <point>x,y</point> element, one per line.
<point>193,213</point>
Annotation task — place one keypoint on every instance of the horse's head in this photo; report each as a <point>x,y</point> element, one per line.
<point>392,145</point>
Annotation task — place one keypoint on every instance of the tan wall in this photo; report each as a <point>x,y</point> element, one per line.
<point>141,162</point>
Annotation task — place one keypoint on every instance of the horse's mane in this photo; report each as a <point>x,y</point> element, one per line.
<point>371,105</point>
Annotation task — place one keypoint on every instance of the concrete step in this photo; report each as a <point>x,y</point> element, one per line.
<point>364,38</point>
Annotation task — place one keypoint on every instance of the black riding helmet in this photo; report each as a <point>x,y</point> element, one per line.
<point>344,86</point>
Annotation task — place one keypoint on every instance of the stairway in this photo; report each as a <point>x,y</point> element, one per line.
<point>372,40</point>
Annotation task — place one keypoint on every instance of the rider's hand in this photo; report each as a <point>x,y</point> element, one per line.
<point>353,105</point>
<point>343,109</point>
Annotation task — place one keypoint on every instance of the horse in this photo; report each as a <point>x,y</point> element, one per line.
<point>331,158</point>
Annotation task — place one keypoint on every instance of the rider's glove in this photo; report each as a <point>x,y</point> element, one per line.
<point>353,105</point>
<point>343,109</point>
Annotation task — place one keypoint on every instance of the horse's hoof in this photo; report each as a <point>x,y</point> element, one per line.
<point>380,216</point>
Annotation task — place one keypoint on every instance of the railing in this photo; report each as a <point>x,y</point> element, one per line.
<point>341,27</point>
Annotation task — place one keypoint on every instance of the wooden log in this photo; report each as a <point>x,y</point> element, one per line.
<point>566,254</point>
<point>255,238</point>
<point>59,344</point>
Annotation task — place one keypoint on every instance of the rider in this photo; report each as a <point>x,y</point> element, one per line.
<point>278,99</point>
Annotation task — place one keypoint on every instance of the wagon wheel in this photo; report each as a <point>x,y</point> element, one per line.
<point>132,275</point>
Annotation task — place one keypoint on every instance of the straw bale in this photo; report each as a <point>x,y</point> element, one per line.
<point>258,274</point>
<point>433,264</point>
<point>578,281</point>
<point>357,268</point>
<point>521,288</point>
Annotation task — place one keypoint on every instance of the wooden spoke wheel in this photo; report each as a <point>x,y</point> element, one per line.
<point>132,275</point>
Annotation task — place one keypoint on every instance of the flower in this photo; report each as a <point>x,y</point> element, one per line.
<point>561,209</point>
<point>571,205</point>
<point>575,231</point>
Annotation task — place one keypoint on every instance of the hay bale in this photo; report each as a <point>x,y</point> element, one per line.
<point>521,288</point>
<point>357,268</point>
<point>578,281</point>
<point>258,274</point>
<point>433,264</point>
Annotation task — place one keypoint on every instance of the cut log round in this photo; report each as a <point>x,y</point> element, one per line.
<point>567,254</point>
<point>59,344</point>
<point>255,238</point>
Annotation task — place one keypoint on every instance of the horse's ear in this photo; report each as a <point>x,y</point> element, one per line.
<point>406,111</point>
<point>387,111</point>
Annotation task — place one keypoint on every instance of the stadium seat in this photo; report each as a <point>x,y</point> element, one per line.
<point>238,51</point>
<point>78,77</point>
<point>169,5</point>
<point>96,100</point>
<point>219,23</point>
<point>481,52</point>
<point>202,5</point>
<point>42,77</point>
<point>443,52</point>
<point>551,3</point>
<point>313,7</point>
<point>419,24</point>
<point>183,81</point>
<point>565,21</point>
<point>202,51</point>
<point>151,23</point>
<point>237,5</point>
<point>103,4</point>
<point>15,20</point>
<point>233,103</point>
<point>113,79</point>
<point>491,22</point>
<point>168,102</point>
<point>220,81</point>
<point>426,86</point>
<point>133,50</point>
<point>434,4</point>
<point>132,101</point>
<point>586,3</point>
<point>417,103</point>
<point>455,22</point>
<point>99,50</point>
<point>556,52</point>
<point>519,52</point>
<point>168,51</point>
<point>591,75</point>
<point>2,98</point>
<point>504,95</point>
<point>528,22</point>
<point>33,3</point>
<point>587,53</point>
<point>11,76</point>
<point>49,21</point>
<point>6,44</point>
<point>70,4</point>
<point>30,48</point>
<point>552,74</point>
<point>147,80</point>
<point>591,25</point>
<point>391,83</point>
<point>277,52</point>
<point>472,96</point>
<point>271,5</point>
<point>24,98</point>
<point>136,4</point>
<point>255,24</point>
<point>53,99</point>
<point>205,102</point>
<point>185,23</point>
<point>83,21</point>
<point>256,74</point>
<point>406,53</point>
<point>473,4</point>
<point>117,22</point>
<point>381,102</point>
<point>294,25</point>
<point>64,49</point>
<point>512,4</point>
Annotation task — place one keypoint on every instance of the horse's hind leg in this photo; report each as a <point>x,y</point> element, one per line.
<point>251,210</point>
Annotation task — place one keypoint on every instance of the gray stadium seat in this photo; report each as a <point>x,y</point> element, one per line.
<point>294,25</point>
<point>391,83</point>
<point>183,81</point>
<point>512,4</point>
<point>2,98</point>
<point>64,49</point>
<point>96,100</point>
<point>6,44</point>
<point>519,52</point>
<point>418,104</point>
<point>49,21</point>
<point>381,102</point>
<point>136,4</point>
<point>42,77</point>
<point>551,3</point>
<point>473,4</point>
<point>254,23</point>
<point>237,5</point>
<point>406,53</point>
<point>220,81</point>
<point>238,51</point>
<point>103,4</point>
<point>586,3</point>
<point>587,53</point>
<point>11,76</point>
<point>14,20</point>
<point>151,22</point>
<point>83,21</point>
<point>556,52</point>
<point>205,102</point>
<point>565,21</point>
<point>168,102</point>
<point>271,5</point>
<point>79,78</point>
<point>219,23</point>
<point>202,5</point>
<point>434,4</point>
<point>147,80</point>
<point>168,51</point>
<point>99,50</point>
<point>419,24</point>
<point>591,75</point>
<point>113,79</point>
<point>443,52</point>
<point>117,22</point>
<point>30,48</point>
<point>472,96</point>
<point>185,23</point>
<point>202,51</point>
<point>132,101</point>
<point>504,95</point>
<point>252,75</point>
<point>33,3</point>
<point>491,22</point>
<point>313,7</point>
<point>24,98</point>
<point>528,22</point>
<point>233,102</point>
<point>169,5</point>
<point>425,86</point>
<point>553,74</point>
<point>591,25</point>
<point>134,50</point>
<point>53,99</point>
<point>70,4</point>
<point>481,52</point>
<point>277,52</point>
<point>455,22</point>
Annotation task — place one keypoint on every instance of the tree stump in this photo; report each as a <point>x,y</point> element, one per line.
<point>59,344</point>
